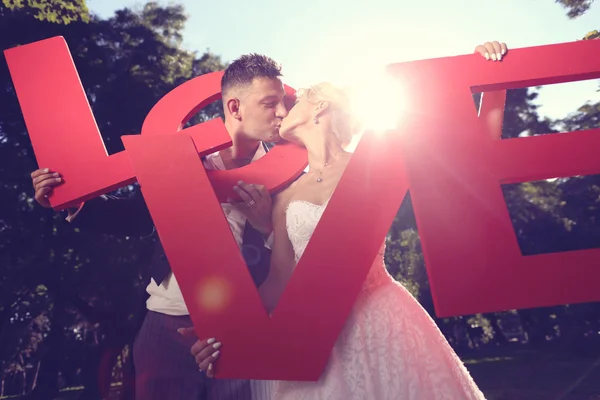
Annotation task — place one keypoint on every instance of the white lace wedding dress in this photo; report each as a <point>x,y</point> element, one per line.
<point>389,349</point>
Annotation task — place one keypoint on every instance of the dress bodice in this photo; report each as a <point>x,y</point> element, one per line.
<point>302,218</point>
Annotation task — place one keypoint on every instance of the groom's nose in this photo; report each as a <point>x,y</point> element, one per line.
<point>281,111</point>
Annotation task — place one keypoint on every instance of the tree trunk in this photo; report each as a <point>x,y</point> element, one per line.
<point>89,374</point>
<point>24,374</point>
<point>128,387</point>
<point>47,385</point>
<point>35,377</point>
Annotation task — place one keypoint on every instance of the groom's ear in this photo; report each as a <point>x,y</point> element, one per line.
<point>233,108</point>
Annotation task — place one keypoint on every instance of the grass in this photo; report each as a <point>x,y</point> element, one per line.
<point>529,374</point>
<point>538,375</point>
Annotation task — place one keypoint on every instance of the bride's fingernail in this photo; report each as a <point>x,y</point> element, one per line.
<point>217,345</point>
<point>215,354</point>
<point>210,341</point>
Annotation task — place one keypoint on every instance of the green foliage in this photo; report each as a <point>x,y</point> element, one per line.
<point>575,8</point>
<point>54,11</point>
<point>404,261</point>
<point>65,293</point>
<point>592,35</point>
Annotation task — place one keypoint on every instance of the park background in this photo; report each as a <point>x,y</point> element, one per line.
<point>71,301</point>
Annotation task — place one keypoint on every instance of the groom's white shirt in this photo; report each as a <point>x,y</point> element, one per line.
<point>166,298</point>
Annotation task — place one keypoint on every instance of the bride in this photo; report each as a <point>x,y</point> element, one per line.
<point>390,348</point>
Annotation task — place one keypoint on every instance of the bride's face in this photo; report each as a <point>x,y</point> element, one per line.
<point>297,121</point>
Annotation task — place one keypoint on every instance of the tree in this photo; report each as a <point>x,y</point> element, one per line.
<point>66,293</point>
<point>575,8</point>
<point>56,11</point>
<point>592,35</point>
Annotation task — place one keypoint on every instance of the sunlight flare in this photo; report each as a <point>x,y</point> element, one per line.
<point>379,102</point>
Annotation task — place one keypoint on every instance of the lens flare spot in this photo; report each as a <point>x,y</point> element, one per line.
<point>214,294</point>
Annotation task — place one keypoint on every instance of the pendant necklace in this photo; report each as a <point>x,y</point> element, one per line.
<point>320,178</point>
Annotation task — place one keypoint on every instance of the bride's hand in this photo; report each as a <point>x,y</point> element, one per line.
<point>492,50</point>
<point>205,351</point>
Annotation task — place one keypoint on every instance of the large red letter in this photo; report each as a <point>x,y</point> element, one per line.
<point>215,282</point>
<point>456,167</point>
<point>66,139</point>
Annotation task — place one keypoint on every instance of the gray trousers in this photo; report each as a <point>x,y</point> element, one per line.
<point>165,369</point>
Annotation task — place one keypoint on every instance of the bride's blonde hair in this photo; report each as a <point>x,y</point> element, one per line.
<point>344,122</point>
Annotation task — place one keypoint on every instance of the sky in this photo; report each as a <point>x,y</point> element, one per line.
<point>332,40</point>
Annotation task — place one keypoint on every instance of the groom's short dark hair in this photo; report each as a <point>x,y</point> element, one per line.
<point>246,68</point>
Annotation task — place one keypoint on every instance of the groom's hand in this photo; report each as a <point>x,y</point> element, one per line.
<point>256,206</point>
<point>205,351</point>
<point>44,181</point>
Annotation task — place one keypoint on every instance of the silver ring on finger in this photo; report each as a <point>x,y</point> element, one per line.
<point>250,203</point>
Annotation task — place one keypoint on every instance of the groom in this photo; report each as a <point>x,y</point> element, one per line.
<point>253,102</point>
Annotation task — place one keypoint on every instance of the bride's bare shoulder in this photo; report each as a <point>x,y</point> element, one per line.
<point>283,198</point>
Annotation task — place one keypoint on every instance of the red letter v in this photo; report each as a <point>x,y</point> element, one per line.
<point>296,342</point>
